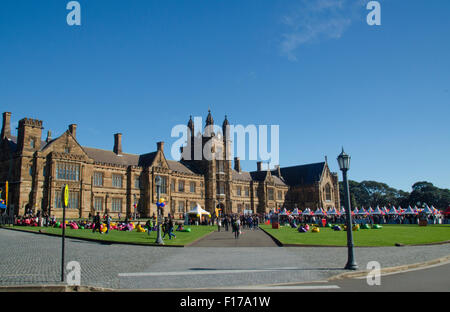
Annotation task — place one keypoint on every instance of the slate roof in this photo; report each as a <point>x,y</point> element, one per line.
<point>179,167</point>
<point>145,160</point>
<point>241,176</point>
<point>109,157</point>
<point>301,175</point>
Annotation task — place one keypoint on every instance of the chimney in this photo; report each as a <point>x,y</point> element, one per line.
<point>118,143</point>
<point>6,128</point>
<point>49,136</point>
<point>73,130</point>
<point>259,165</point>
<point>278,170</point>
<point>160,146</point>
<point>237,164</point>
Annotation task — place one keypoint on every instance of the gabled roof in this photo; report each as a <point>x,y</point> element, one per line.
<point>179,167</point>
<point>301,175</point>
<point>241,176</point>
<point>109,157</point>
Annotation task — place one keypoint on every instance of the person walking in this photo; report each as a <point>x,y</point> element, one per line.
<point>238,228</point>
<point>225,223</point>
<point>170,229</point>
<point>219,224</point>
<point>96,222</point>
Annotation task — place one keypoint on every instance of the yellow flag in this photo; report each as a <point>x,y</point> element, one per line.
<point>66,196</point>
<point>6,190</point>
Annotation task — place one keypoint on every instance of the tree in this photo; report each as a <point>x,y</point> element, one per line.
<point>372,194</point>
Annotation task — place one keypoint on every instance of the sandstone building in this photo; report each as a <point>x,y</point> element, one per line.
<point>117,182</point>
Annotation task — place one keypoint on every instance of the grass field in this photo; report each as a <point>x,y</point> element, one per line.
<point>389,235</point>
<point>183,238</point>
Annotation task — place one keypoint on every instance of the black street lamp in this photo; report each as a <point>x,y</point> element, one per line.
<point>344,164</point>
<point>159,239</point>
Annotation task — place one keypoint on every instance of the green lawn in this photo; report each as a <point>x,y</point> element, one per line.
<point>389,235</point>
<point>183,238</point>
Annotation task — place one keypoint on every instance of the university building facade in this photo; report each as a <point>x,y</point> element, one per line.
<point>115,182</point>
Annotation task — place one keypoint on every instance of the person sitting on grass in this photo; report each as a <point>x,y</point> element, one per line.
<point>180,227</point>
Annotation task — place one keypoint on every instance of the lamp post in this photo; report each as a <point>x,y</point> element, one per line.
<point>134,206</point>
<point>344,164</point>
<point>159,239</point>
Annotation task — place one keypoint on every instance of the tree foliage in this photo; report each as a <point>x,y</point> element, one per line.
<point>372,194</point>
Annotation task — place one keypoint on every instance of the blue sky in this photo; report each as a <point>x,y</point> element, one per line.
<point>315,68</point>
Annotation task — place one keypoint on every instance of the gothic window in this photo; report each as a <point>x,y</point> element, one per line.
<point>117,180</point>
<point>192,187</point>
<point>137,183</point>
<point>180,186</point>
<point>238,191</point>
<point>220,188</point>
<point>328,192</point>
<point>98,179</point>
<point>67,171</point>
<point>270,192</point>
<point>73,200</point>
<point>181,206</point>
<point>116,205</point>
<point>98,204</point>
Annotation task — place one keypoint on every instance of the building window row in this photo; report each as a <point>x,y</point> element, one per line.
<point>74,198</point>
<point>67,171</point>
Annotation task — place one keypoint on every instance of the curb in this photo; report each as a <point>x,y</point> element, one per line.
<point>280,244</point>
<point>396,269</point>
<point>54,288</point>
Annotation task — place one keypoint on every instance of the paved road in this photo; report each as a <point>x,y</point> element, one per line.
<point>430,279</point>
<point>27,258</point>
<point>248,238</point>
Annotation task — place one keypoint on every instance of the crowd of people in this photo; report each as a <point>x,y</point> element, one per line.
<point>363,219</point>
<point>236,223</point>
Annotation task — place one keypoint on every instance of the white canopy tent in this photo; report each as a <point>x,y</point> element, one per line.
<point>199,211</point>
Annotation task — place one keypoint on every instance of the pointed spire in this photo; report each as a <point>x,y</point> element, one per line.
<point>209,119</point>
<point>191,125</point>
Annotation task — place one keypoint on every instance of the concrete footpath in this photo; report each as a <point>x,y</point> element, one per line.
<point>248,238</point>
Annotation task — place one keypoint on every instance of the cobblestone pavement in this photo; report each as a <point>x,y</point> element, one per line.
<point>27,258</point>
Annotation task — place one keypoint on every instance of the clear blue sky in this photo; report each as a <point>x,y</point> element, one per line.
<point>313,67</point>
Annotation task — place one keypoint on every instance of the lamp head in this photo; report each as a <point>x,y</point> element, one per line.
<point>344,161</point>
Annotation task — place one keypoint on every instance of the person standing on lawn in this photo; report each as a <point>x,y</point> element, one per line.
<point>149,226</point>
<point>108,223</point>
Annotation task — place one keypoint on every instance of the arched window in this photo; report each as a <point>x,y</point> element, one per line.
<point>327,192</point>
